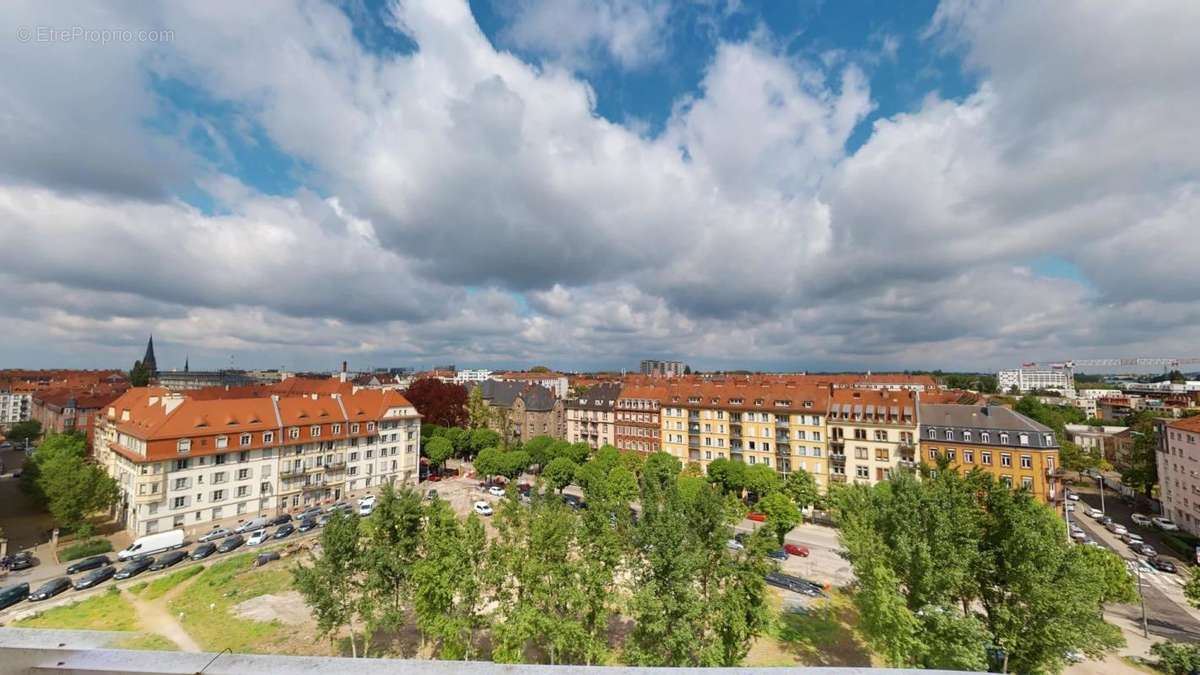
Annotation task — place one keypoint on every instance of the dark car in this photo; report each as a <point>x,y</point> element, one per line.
<point>778,554</point>
<point>167,559</point>
<point>94,562</point>
<point>203,551</point>
<point>280,519</point>
<point>795,584</point>
<point>231,543</point>
<point>1164,565</point>
<point>134,568</point>
<point>285,530</point>
<point>264,558</point>
<point>50,589</point>
<point>95,577</point>
<point>19,561</point>
<point>574,502</point>
<point>307,524</point>
<point>338,506</point>
<point>310,514</point>
<point>11,595</point>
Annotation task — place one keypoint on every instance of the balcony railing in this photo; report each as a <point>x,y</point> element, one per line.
<point>837,477</point>
<point>291,471</point>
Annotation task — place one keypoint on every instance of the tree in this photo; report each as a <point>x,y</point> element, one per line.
<point>801,488</point>
<point>1176,658</point>
<point>540,450</point>
<point>330,586</point>
<point>19,433</point>
<point>687,370</point>
<point>478,414</point>
<point>438,450</point>
<point>441,403</point>
<point>539,369</point>
<point>781,512</point>
<point>761,479</point>
<point>660,469</point>
<point>60,477</point>
<point>559,473</point>
<point>513,463</point>
<point>483,438</point>
<point>447,580</point>
<point>390,538</point>
<point>1191,590</point>
<point>1141,470</point>
<point>460,440</point>
<point>727,474</point>
<point>972,549</point>
<point>139,375</point>
<point>487,462</point>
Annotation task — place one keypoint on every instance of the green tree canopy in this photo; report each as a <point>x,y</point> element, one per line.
<point>61,477</point>
<point>801,488</point>
<point>781,512</point>
<point>29,430</point>
<point>727,474</point>
<point>438,450</point>
<point>761,479</point>
<point>559,473</point>
<point>483,438</point>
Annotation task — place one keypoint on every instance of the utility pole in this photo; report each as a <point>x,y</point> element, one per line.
<point>1142,596</point>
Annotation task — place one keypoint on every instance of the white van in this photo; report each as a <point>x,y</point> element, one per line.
<point>153,543</point>
<point>252,525</point>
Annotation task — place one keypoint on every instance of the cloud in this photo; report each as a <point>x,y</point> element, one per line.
<point>461,204</point>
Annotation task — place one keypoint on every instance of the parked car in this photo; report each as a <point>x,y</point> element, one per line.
<point>306,525</point>
<point>94,562</point>
<point>280,519</point>
<point>1140,519</point>
<point>19,561</point>
<point>483,508</point>
<point>134,568</point>
<point>1072,496</point>
<point>285,530</point>
<point>257,537</point>
<point>95,577</point>
<point>1133,539</point>
<point>734,545</point>
<point>1164,565</point>
<point>311,513</point>
<point>203,551</point>
<point>11,595</point>
<point>795,584</point>
<point>216,534</point>
<point>496,491</point>
<point>1116,528</point>
<point>757,517</point>
<point>230,543</point>
<point>50,589</point>
<point>264,558</point>
<point>1104,520</point>
<point>574,502</point>
<point>366,505</point>
<point>778,554</point>
<point>324,520</point>
<point>168,559</point>
<point>1146,550</point>
<point>251,525</point>
<point>1095,514</point>
<point>1165,524</point>
<point>793,549</point>
<point>338,506</point>
<point>1079,535</point>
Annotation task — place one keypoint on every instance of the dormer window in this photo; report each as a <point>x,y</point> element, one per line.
<point>294,432</point>
<point>985,437</point>
<point>1024,438</point>
<point>967,436</point>
<point>222,441</point>
<point>314,431</point>
<point>949,434</point>
<point>268,437</point>
<point>184,446</point>
<point>244,440</point>
<point>758,401</point>
<point>1004,439</point>
<point>932,432</point>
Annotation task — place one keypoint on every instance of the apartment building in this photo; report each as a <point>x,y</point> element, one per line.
<point>872,434</point>
<point>776,424</point>
<point>591,415</point>
<point>522,411</point>
<point>62,412</point>
<point>1029,378</point>
<point>182,461</point>
<point>15,406</point>
<point>638,426</point>
<point>663,368</point>
<point>555,382</point>
<point>1179,471</point>
<point>1014,449</point>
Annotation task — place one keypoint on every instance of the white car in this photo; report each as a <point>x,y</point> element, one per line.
<point>1165,524</point>
<point>496,491</point>
<point>1072,496</point>
<point>734,545</point>
<point>1140,519</point>
<point>1132,539</point>
<point>257,538</point>
<point>1096,514</point>
<point>366,505</point>
<point>1079,535</point>
<point>483,508</point>
<point>1117,528</point>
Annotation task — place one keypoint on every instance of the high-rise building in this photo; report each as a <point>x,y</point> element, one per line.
<point>1027,378</point>
<point>663,368</point>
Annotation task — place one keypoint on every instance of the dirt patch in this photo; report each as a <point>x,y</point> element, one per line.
<point>286,608</point>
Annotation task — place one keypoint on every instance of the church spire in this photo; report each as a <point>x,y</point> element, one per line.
<point>185,364</point>
<point>148,361</point>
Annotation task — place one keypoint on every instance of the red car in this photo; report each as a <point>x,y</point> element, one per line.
<point>757,517</point>
<point>433,478</point>
<point>793,549</point>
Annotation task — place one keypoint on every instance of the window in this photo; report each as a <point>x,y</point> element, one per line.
<point>181,483</point>
<point>243,474</point>
<point>860,434</point>
<point>315,431</point>
<point>370,427</point>
<point>933,452</point>
<point>1003,439</point>
<point>1024,439</point>
<point>243,456</point>
<point>860,453</point>
<point>881,454</point>
<point>1026,462</point>
<point>218,495</point>
<point>968,456</point>
<point>1007,480</point>
<point>219,459</point>
<point>294,432</point>
<point>1027,482</point>
<point>179,503</point>
<point>932,432</point>
<point>268,437</point>
<point>337,429</point>
<point>881,435</point>
<point>985,437</point>
<point>967,436</point>
<point>950,455</point>
<point>354,428</point>
<point>222,441</point>
<point>1005,459</point>
<point>244,440</point>
<point>218,477</point>
<point>986,457</point>
<point>184,445</point>
<point>861,471</point>
<point>181,464</point>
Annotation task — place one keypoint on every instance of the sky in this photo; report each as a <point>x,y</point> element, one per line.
<point>776,185</point>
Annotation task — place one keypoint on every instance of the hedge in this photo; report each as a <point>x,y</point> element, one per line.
<point>85,549</point>
<point>1181,544</point>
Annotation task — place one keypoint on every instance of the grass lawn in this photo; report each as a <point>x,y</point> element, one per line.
<point>106,611</point>
<point>207,609</point>
<point>157,588</point>
<point>146,641</point>
<point>822,634</point>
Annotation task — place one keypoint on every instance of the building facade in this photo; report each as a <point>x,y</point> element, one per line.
<point>663,368</point>
<point>182,462</point>
<point>591,416</point>
<point>776,424</point>
<point>522,411</point>
<point>1029,378</point>
<point>64,412</point>
<point>1016,450</point>
<point>1179,471</point>
<point>15,406</point>
<point>872,434</point>
<point>638,425</point>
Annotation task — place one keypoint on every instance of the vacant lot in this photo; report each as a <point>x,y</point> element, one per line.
<point>106,611</point>
<point>157,588</point>
<point>818,633</point>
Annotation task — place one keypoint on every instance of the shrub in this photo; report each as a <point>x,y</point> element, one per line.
<point>1182,544</point>
<point>85,549</point>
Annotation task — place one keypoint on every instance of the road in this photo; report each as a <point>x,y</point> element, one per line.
<point>1167,612</point>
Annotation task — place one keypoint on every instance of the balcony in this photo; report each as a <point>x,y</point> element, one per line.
<point>837,478</point>
<point>693,442</point>
<point>837,443</point>
<point>291,472</point>
<point>693,456</point>
<point>782,421</point>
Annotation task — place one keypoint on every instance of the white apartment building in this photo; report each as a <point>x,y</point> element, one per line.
<point>1179,472</point>
<point>14,407</point>
<point>1027,379</point>
<point>591,416</point>
<point>471,375</point>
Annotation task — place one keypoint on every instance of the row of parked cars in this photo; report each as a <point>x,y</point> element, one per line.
<point>1133,540</point>
<point>100,568</point>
